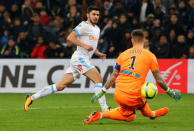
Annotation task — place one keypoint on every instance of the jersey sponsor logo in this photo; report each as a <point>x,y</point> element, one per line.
<point>136,75</point>
<point>91,37</point>
<point>174,73</point>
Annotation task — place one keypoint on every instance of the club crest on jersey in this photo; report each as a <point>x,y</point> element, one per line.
<point>79,67</point>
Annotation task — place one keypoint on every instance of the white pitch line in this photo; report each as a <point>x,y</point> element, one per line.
<point>62,107</point>
<point>55,107</point>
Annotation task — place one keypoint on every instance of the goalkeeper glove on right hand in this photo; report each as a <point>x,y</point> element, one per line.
<point>99,95</point>
<point>174,94</point>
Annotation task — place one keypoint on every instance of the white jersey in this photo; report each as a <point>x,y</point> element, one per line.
<point>87,34</point>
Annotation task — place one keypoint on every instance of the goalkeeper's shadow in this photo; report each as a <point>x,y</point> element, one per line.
<point>134,123</point>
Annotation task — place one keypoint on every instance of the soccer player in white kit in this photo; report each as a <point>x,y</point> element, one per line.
<point>85,36</point>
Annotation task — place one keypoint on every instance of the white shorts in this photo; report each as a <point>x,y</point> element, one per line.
<point>79,65</point>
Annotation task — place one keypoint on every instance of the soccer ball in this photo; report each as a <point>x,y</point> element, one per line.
<point>149,90</point>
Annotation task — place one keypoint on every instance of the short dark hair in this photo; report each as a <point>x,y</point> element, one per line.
<point>138,35</point>
<point>93,7</point>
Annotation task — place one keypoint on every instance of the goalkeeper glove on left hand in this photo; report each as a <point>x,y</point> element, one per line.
<point>174,94</point>
<point>99,95</point>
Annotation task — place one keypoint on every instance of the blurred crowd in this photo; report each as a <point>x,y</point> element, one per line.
<point>38,28</point>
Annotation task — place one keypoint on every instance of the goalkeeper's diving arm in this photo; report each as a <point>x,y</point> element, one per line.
<point>172,93</point>
<point>112,79</point>
<point>160,80</point>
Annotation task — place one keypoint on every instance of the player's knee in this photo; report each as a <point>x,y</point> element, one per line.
<point>60,87</point>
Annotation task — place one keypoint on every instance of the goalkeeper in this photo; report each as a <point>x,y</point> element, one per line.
<point>130,73</point>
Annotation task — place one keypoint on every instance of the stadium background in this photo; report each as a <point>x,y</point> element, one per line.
<point>34,33</point>
<point>38,28</point>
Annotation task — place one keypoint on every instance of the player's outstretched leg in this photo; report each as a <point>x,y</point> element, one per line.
<point>146,111</point>
<point>117,115</point>
<point>44,92</point>
<point>160,112</point>
<point>114,115</point>
<point>63,83</point>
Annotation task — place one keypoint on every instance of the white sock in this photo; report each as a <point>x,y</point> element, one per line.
<point>44,92</point>
<point>101,115</point>
<point>154,113</point>
<point>102,100</point>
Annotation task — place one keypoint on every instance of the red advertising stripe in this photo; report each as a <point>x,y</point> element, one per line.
<point>175,73</point>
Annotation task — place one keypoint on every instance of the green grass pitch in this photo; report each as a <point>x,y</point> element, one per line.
<point>65,112</point>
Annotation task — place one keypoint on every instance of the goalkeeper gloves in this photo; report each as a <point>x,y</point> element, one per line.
<point>174,94</point>
<point>99,95</point>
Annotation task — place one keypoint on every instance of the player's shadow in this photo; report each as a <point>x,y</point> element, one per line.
<point>130,123</point>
